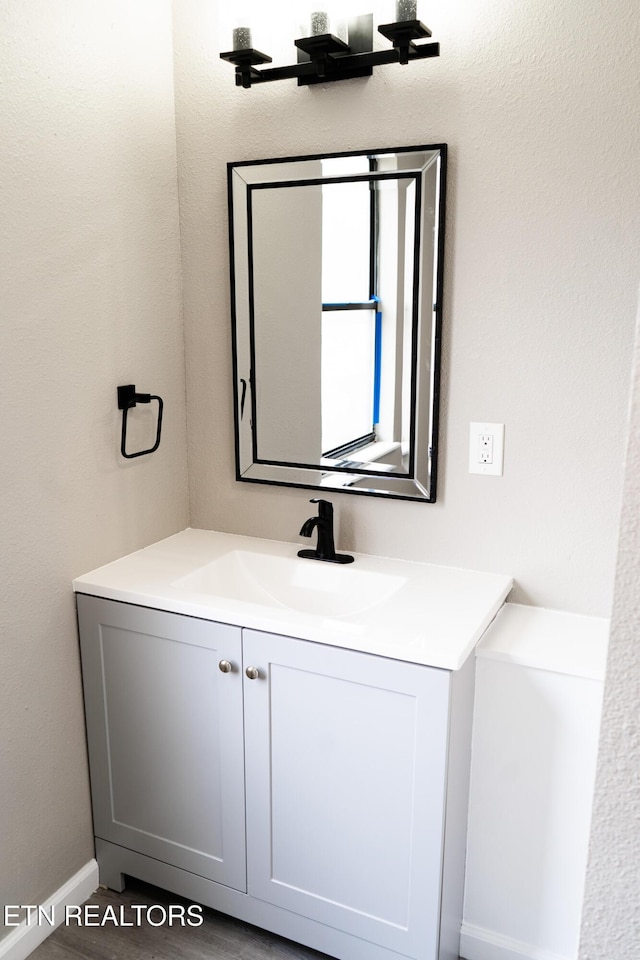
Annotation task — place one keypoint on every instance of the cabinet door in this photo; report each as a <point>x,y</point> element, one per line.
<point>164,727</point>
<point>346,768</point>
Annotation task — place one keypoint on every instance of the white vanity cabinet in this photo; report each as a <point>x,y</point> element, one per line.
<point>345,772</point>
<point>164,730</point>
<point>354,768</point>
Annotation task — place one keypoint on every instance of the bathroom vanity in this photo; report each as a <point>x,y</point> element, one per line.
<point>284,740</point>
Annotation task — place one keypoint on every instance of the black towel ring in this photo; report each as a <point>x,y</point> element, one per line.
<point>128,398</point>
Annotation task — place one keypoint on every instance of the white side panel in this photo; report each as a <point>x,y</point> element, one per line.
<point>346,762</point>
<point>165,736</point>
<point>534,755</point>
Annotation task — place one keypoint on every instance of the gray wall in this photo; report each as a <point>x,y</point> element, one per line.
<point>611,922</point>
<point>539,104</point>
<point>89,299</point>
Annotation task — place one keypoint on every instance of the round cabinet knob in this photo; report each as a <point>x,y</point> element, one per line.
<point>252,672</point>
<point>225,666</point>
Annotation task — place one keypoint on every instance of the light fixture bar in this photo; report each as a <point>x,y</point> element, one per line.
<point>332,59</point>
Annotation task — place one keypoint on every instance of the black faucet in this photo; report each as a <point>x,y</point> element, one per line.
<point>325,549</point>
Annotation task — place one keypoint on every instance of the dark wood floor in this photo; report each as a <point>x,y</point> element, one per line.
<point>219,938</point>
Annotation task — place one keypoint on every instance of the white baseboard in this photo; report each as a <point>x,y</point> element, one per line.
<point>24,939</point>
<point>476,943</point>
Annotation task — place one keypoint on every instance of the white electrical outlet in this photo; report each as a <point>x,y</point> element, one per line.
<point>486,448</point>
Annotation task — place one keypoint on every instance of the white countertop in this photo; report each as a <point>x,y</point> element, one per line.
<point>435,617</point>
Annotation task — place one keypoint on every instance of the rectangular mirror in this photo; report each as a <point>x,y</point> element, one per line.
<point>336,278</point>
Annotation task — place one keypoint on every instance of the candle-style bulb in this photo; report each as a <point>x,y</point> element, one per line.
<point>406,10</point>
<point>242,38</point>
<point>319,23</point>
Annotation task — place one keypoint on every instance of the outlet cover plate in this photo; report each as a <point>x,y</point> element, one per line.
<point>486,448</point>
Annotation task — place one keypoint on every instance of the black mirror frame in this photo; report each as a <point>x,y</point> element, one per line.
<point>310,476</point>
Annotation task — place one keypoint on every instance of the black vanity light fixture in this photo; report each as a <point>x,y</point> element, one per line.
<point>324,57</point>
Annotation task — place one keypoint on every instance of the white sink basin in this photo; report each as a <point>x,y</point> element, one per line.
<point>400,609</point>
<point>308,586</point>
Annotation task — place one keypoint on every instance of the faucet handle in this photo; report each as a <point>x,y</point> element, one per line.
<point>325,507</point>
